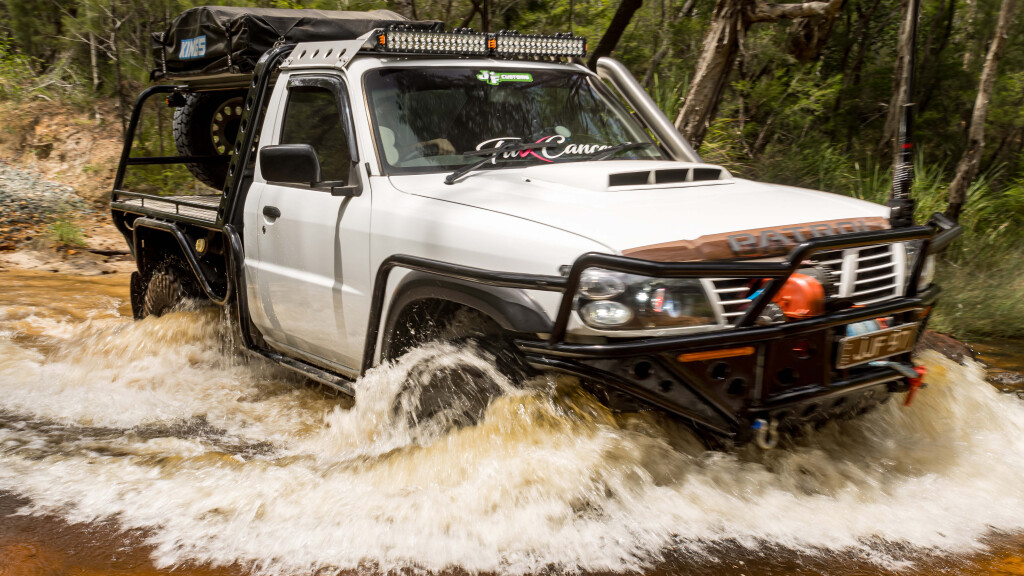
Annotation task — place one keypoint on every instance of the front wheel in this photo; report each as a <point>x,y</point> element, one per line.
<point>452,384</point>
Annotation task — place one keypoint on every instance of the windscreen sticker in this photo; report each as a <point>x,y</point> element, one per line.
<point>494,78</point>
<point>192,48</point>
<point>558,149</point>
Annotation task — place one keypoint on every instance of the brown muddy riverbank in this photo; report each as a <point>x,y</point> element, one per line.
<point>152,448</point>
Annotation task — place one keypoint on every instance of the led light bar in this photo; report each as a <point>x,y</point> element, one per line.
<point>515,44</point>
<point>432,42</point>
<point>467,42</point>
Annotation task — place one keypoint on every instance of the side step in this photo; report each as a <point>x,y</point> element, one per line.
<point>339,383</point>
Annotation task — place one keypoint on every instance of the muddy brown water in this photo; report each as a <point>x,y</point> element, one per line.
<point>153,447</point>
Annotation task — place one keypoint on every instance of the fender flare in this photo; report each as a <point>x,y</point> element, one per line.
<point>186,249</point>
<point>510,308</point>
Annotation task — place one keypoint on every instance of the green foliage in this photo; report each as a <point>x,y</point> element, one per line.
<point>668,94</point>
<point>66,232</point>
<point>16,75</point>
<point>981,296</point>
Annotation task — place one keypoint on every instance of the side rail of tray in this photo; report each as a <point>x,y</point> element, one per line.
<point>197,210</point>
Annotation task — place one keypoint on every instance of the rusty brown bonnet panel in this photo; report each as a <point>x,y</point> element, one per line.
<point>754,243</point>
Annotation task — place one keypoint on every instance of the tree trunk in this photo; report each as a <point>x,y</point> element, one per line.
<point>618,26</point>
<point>666,40</point>
<point>115,48</point>
<point>969,21</point>
<point>718,55</point>
<point>472,12</point>
<point>967,168</point>
<point>900,81</point>
<point>93,63</point>
<point>665,50</point>
<point>721,45</point>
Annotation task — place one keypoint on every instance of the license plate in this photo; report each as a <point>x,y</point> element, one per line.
<point>856,350</point>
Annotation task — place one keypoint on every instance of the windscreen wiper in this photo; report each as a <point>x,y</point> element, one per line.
<point>609,152</point>
<point>488,155</point>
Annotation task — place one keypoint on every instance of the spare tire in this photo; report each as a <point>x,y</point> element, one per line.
<point>207,125</point>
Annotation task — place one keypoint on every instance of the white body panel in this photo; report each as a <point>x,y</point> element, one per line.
<point>575,197</point>
<point>309,285</point>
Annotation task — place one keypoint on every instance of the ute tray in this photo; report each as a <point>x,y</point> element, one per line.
<point>211,42</point>
<point>199,209</point>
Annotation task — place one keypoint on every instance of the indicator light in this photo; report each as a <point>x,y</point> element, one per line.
<point>715,354</point>
<point>658,301</point>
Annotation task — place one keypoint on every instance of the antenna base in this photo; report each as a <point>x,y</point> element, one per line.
<point>902,215</point>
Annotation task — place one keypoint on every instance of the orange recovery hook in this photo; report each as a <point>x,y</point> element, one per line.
<point>915,384</point>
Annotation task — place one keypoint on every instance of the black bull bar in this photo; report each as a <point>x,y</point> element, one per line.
<point>607,361</point>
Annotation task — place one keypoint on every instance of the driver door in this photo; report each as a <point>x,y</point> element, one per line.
<point>313,245</point>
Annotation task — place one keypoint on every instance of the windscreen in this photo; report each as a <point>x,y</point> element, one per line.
<point>426,119</point>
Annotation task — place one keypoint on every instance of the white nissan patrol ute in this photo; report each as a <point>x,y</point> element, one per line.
<point>372,177</point>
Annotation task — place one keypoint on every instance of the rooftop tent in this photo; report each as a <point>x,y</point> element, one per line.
<point>218,40</point>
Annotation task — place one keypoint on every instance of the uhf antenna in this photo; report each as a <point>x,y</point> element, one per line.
<point>900,202</point>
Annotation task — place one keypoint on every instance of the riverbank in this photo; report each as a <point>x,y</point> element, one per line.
<point>49,226</point>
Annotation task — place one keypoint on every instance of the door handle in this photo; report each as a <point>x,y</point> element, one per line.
<point>271,212</point>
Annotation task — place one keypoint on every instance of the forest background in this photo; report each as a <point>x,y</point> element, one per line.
<point>806,94</point>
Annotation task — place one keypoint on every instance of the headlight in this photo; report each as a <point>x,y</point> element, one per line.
<point>605,314</point>
<point>615,301</point>
<point>598,284</point>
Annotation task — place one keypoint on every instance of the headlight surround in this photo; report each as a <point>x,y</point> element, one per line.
<point>913,250</point>
<point>609,300</point>
<point>927,273</point>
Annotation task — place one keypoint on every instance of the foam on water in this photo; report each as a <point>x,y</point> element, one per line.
<point>159,425</point>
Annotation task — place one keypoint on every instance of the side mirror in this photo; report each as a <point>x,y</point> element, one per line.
<point>290,163</point>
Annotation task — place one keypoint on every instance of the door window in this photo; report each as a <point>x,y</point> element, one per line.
<point>312,117</point>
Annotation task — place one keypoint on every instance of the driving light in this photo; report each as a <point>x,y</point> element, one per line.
<point>514,43</point>
<point>409,39</point>
<point>419,42</point>
<point>605,314</point>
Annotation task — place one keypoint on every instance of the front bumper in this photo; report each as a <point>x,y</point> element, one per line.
<point>724,396</point>
<point>789,376</point>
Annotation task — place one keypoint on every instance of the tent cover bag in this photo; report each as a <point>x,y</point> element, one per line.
<point>211,41</point>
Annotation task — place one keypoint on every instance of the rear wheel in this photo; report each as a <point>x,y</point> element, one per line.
<point>167,287</point>
<point>207,125</point>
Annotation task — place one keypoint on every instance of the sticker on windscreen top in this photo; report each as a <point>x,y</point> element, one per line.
<point>494,78</point>
<point>192,48</point>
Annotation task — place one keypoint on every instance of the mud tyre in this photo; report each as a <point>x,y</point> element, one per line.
<point>458,390</point>
<point>167,288</point>
<point>207,125</point>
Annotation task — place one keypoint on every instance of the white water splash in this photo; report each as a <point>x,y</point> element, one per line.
<point>160,426</point>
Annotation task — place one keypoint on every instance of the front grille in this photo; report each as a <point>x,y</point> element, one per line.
<point>878,278</point>
<point>733,295</point>
<point>867,275</point>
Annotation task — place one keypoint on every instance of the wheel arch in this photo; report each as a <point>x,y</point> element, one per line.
<point>421,298</point>
<point>156,241</point>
